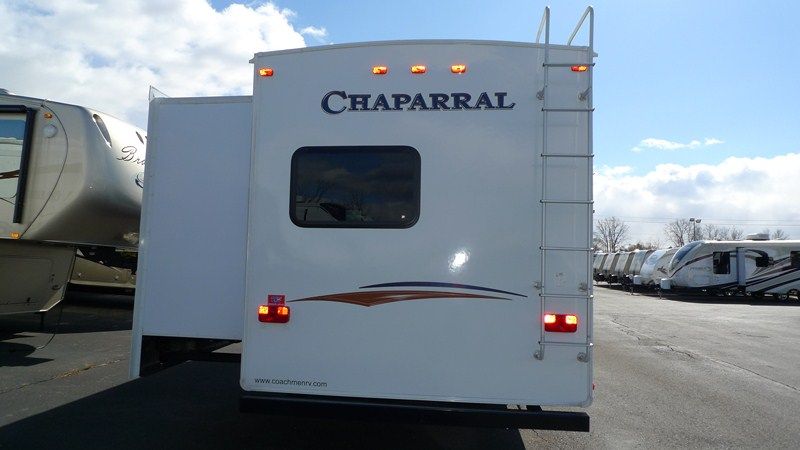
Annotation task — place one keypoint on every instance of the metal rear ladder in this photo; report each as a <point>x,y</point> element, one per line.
<point>547,156</point>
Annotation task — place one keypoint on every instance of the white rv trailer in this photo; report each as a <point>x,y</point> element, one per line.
<point>755,267</point>
<point>70,177</point>
<point>622,265</point>
<point>415,286</point>
<point>635,266</point>
<point>608,265</point>
<point>597,265</point>
<point>654,268</point>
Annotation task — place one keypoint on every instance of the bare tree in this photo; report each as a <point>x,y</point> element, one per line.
<point>679,232</point>
<point>719,233</point>
<point>778,234</point>
<point>714,232</point>
<point>610,233</point>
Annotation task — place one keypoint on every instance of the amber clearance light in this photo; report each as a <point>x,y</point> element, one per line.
<point>458,68</point>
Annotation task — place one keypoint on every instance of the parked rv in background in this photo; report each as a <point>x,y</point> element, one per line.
<point>621,267</point>
<point>755,267</point>
<point>608,267</point>
<point>655,268</point>
<point>639,257</point>
<point>597,266</point>
<point>70,179</point>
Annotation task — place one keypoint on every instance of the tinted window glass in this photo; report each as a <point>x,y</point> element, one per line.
<point>12,133</point>
<point>762,261</point>
<point>722,263</point>
<point>355,187</point>
<point>795,260</point>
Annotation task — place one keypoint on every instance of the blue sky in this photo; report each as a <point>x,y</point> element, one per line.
<point>706,91</point>
<point>672,70</point>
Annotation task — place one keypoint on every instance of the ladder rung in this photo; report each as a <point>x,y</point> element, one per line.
<point>569,202</point>
<point>565,155</point>
<point>568,344</point>
<point>568,249</point>
<point>567,64</point>
<point>587,297</point>
<point>568,109</point>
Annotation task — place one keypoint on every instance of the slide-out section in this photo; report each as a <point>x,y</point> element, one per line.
<point>190,285</point>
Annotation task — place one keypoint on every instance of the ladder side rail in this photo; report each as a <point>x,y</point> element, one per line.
<point>539,354</point>
<point>589,96</point>
<point>545,19</point>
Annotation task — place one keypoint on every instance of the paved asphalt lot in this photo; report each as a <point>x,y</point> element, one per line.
<point>669,373</point>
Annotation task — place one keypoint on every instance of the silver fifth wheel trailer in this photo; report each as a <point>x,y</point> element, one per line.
<point>70,178</point>
<point>755,267</point>
<point>369,263</point>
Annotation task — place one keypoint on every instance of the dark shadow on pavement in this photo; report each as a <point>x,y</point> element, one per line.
<point>14,354</point>
<point>704,298</point>
<point>195,405</point>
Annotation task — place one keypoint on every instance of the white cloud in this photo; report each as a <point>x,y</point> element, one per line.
<point>751,193</point>
<point>319,34</point>
<point>615,171</point>
<point>105,54</point>
<point>663,144</point>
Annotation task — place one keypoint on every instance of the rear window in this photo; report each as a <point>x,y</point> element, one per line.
<point>355,187</point>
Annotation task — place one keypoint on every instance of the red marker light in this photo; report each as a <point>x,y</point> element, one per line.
<point>418,69</point>
<point>560,323</point>
<point>273,314</point>
<point>265,72</point>
<point>458,68</point>
<point>380,70</point>
<point>579,68</point>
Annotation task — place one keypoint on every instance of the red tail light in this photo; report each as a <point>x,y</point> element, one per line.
<point>273,314</point>
<point>579,68</point>
<point>265,71</point>
<point>560,323</point>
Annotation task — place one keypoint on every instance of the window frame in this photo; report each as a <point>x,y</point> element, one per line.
<point>417,179</point>
<point>24,160</point>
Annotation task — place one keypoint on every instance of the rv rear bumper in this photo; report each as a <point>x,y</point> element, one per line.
<point>421,412</point>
